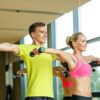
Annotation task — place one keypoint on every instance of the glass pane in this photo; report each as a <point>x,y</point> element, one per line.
<point>64,28</point>
<point>27,39</point>
<point>60,90</point>
<point>90,19</point>
<point>94,49</point>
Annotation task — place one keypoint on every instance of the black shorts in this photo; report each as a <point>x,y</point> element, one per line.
<point>77,97</point>
<point>67,98</point>
<point>38,98</point>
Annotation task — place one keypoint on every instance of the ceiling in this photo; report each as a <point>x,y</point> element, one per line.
<point>17,15</point>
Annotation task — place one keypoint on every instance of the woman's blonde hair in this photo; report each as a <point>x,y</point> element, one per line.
<point>72,38</point>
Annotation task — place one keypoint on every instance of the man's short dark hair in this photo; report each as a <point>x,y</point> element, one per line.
<point>33,27</point>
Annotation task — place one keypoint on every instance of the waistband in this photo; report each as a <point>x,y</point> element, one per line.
<point>39,98</point>
<point>67,98</point>
<point>78,97</point>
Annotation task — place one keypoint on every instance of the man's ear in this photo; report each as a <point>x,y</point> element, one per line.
<point>33,34</point>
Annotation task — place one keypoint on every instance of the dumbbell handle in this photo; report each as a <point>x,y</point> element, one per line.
<point>32,54</point>
<point>39,50</point>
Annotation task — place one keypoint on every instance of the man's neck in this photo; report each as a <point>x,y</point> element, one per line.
<point>37,43</point>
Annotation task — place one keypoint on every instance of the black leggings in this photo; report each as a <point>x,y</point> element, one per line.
<point>38,98</point>
<point>67,98</point>
<point>77,97</point>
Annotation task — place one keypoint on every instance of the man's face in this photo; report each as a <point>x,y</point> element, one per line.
<point>40,35</point>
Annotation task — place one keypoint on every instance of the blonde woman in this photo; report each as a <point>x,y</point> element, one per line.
<point>80,70</point>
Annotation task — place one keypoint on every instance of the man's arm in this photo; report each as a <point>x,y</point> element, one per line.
<point>8,47</point>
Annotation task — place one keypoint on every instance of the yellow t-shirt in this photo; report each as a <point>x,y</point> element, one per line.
<point>39,72</point>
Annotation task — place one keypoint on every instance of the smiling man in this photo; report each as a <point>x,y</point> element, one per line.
<point>39,70</point>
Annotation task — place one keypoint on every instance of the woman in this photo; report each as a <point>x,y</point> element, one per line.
<point>80,70</point>
<point>67,84</point>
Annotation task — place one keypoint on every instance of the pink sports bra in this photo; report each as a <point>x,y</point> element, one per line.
<point>81,70</point>
<point>66,83</point>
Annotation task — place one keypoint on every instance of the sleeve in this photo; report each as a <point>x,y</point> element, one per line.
<point>54,57</point>
<point>21,50</point>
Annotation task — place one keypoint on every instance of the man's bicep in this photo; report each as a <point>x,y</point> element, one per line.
<point>15,49</point>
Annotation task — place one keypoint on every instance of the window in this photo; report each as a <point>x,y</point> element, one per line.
<point>95,84</point>
<point>90,19</point>
<point>64,28</point>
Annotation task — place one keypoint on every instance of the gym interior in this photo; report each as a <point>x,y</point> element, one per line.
<point>63,17</point>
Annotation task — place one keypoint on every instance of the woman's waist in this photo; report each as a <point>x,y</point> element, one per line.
<point>82,82</point>
<point>82,91</point>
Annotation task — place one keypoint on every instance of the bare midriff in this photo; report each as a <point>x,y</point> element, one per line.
<point>82,86</point>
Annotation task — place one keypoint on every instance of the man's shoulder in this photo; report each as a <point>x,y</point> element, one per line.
<point>26,45</point>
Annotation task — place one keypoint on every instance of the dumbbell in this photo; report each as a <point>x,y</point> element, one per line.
<point>39,50</point>
<point>65,73</point>
<point>94,64</point>
<point>93,70</point>
<point>64,64</point>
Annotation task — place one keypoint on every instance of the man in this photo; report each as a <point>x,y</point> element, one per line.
<point>60,72</point>
<point>39,70</point>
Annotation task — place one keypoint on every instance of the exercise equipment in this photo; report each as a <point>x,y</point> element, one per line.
<point>93,65</point>
<point>39,50</point>
<point>65,73</point>
<point>64,64</point>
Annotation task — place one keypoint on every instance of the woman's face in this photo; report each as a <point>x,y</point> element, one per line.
<point>80,43</point>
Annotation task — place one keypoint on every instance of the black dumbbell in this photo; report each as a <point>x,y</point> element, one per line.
<point>94,64</point>
<point>32,54</point>
<point>40,50</point>
<point>64,64</point>
<point>65,73</point>
<point>93,70</point>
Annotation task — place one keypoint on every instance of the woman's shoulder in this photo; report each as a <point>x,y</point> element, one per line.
<point>69,55</point>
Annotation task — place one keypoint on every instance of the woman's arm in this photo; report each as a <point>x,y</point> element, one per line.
<point>93,58</point>
<point>63,55</point>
